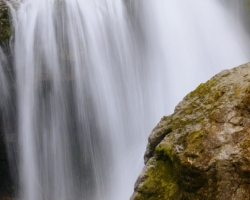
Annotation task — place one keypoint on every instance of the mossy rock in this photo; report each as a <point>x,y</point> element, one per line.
<point>5,27</point>
<point>202,150</point>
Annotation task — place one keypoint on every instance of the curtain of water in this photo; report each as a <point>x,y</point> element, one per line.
<point>3,78</point>
<point>93,78</point>
<point>79,105</point>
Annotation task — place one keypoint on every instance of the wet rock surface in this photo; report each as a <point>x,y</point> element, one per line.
<point>6,185</point>
<point>202,150</point>
<point>5,28</point>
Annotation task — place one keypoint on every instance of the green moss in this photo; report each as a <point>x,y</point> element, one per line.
<point>177,123</point>
<point>164,152</point>
<point>203,89</point>
<point>5,28</point>
<point>194,139</point>
<point>194,144</point>
<point>196,135</point>
<point>161,182</point>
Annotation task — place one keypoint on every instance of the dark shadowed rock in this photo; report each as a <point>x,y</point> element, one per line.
<point>6,184</point>
<point>202,150</point>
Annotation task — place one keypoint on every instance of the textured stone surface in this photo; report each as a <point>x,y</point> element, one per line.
<point>202,150</point>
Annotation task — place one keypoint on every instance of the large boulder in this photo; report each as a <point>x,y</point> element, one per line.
<point>202,150</point>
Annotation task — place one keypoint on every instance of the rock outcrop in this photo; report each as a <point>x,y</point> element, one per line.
<point>202,150</point>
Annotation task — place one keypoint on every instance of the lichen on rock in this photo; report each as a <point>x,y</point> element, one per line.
<point>202,150</point>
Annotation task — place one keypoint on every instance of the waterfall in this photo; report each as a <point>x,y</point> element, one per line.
<point>93,77</point>
<point>4,92</point>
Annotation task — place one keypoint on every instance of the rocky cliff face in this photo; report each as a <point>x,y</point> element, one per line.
<point>6,185</point>
<point>202,150</point>
<point>5,29</point>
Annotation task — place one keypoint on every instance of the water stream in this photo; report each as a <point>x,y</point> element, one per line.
<point>3,78</point>
<point>93,77</point>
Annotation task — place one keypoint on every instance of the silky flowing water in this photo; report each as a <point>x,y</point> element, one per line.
<point>3,78</point>
<point>93,77</point>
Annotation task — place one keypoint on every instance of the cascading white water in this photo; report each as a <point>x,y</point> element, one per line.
<point>4,90</point>
<point>79,106</point>
<point>95,76</point>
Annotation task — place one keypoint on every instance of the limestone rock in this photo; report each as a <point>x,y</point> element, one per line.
<point>202,150</point>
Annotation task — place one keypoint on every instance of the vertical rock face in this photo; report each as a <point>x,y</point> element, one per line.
<point>5,179</point>
<point>202,150</point>
<point>6,185</point>
<point>5,30</point>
